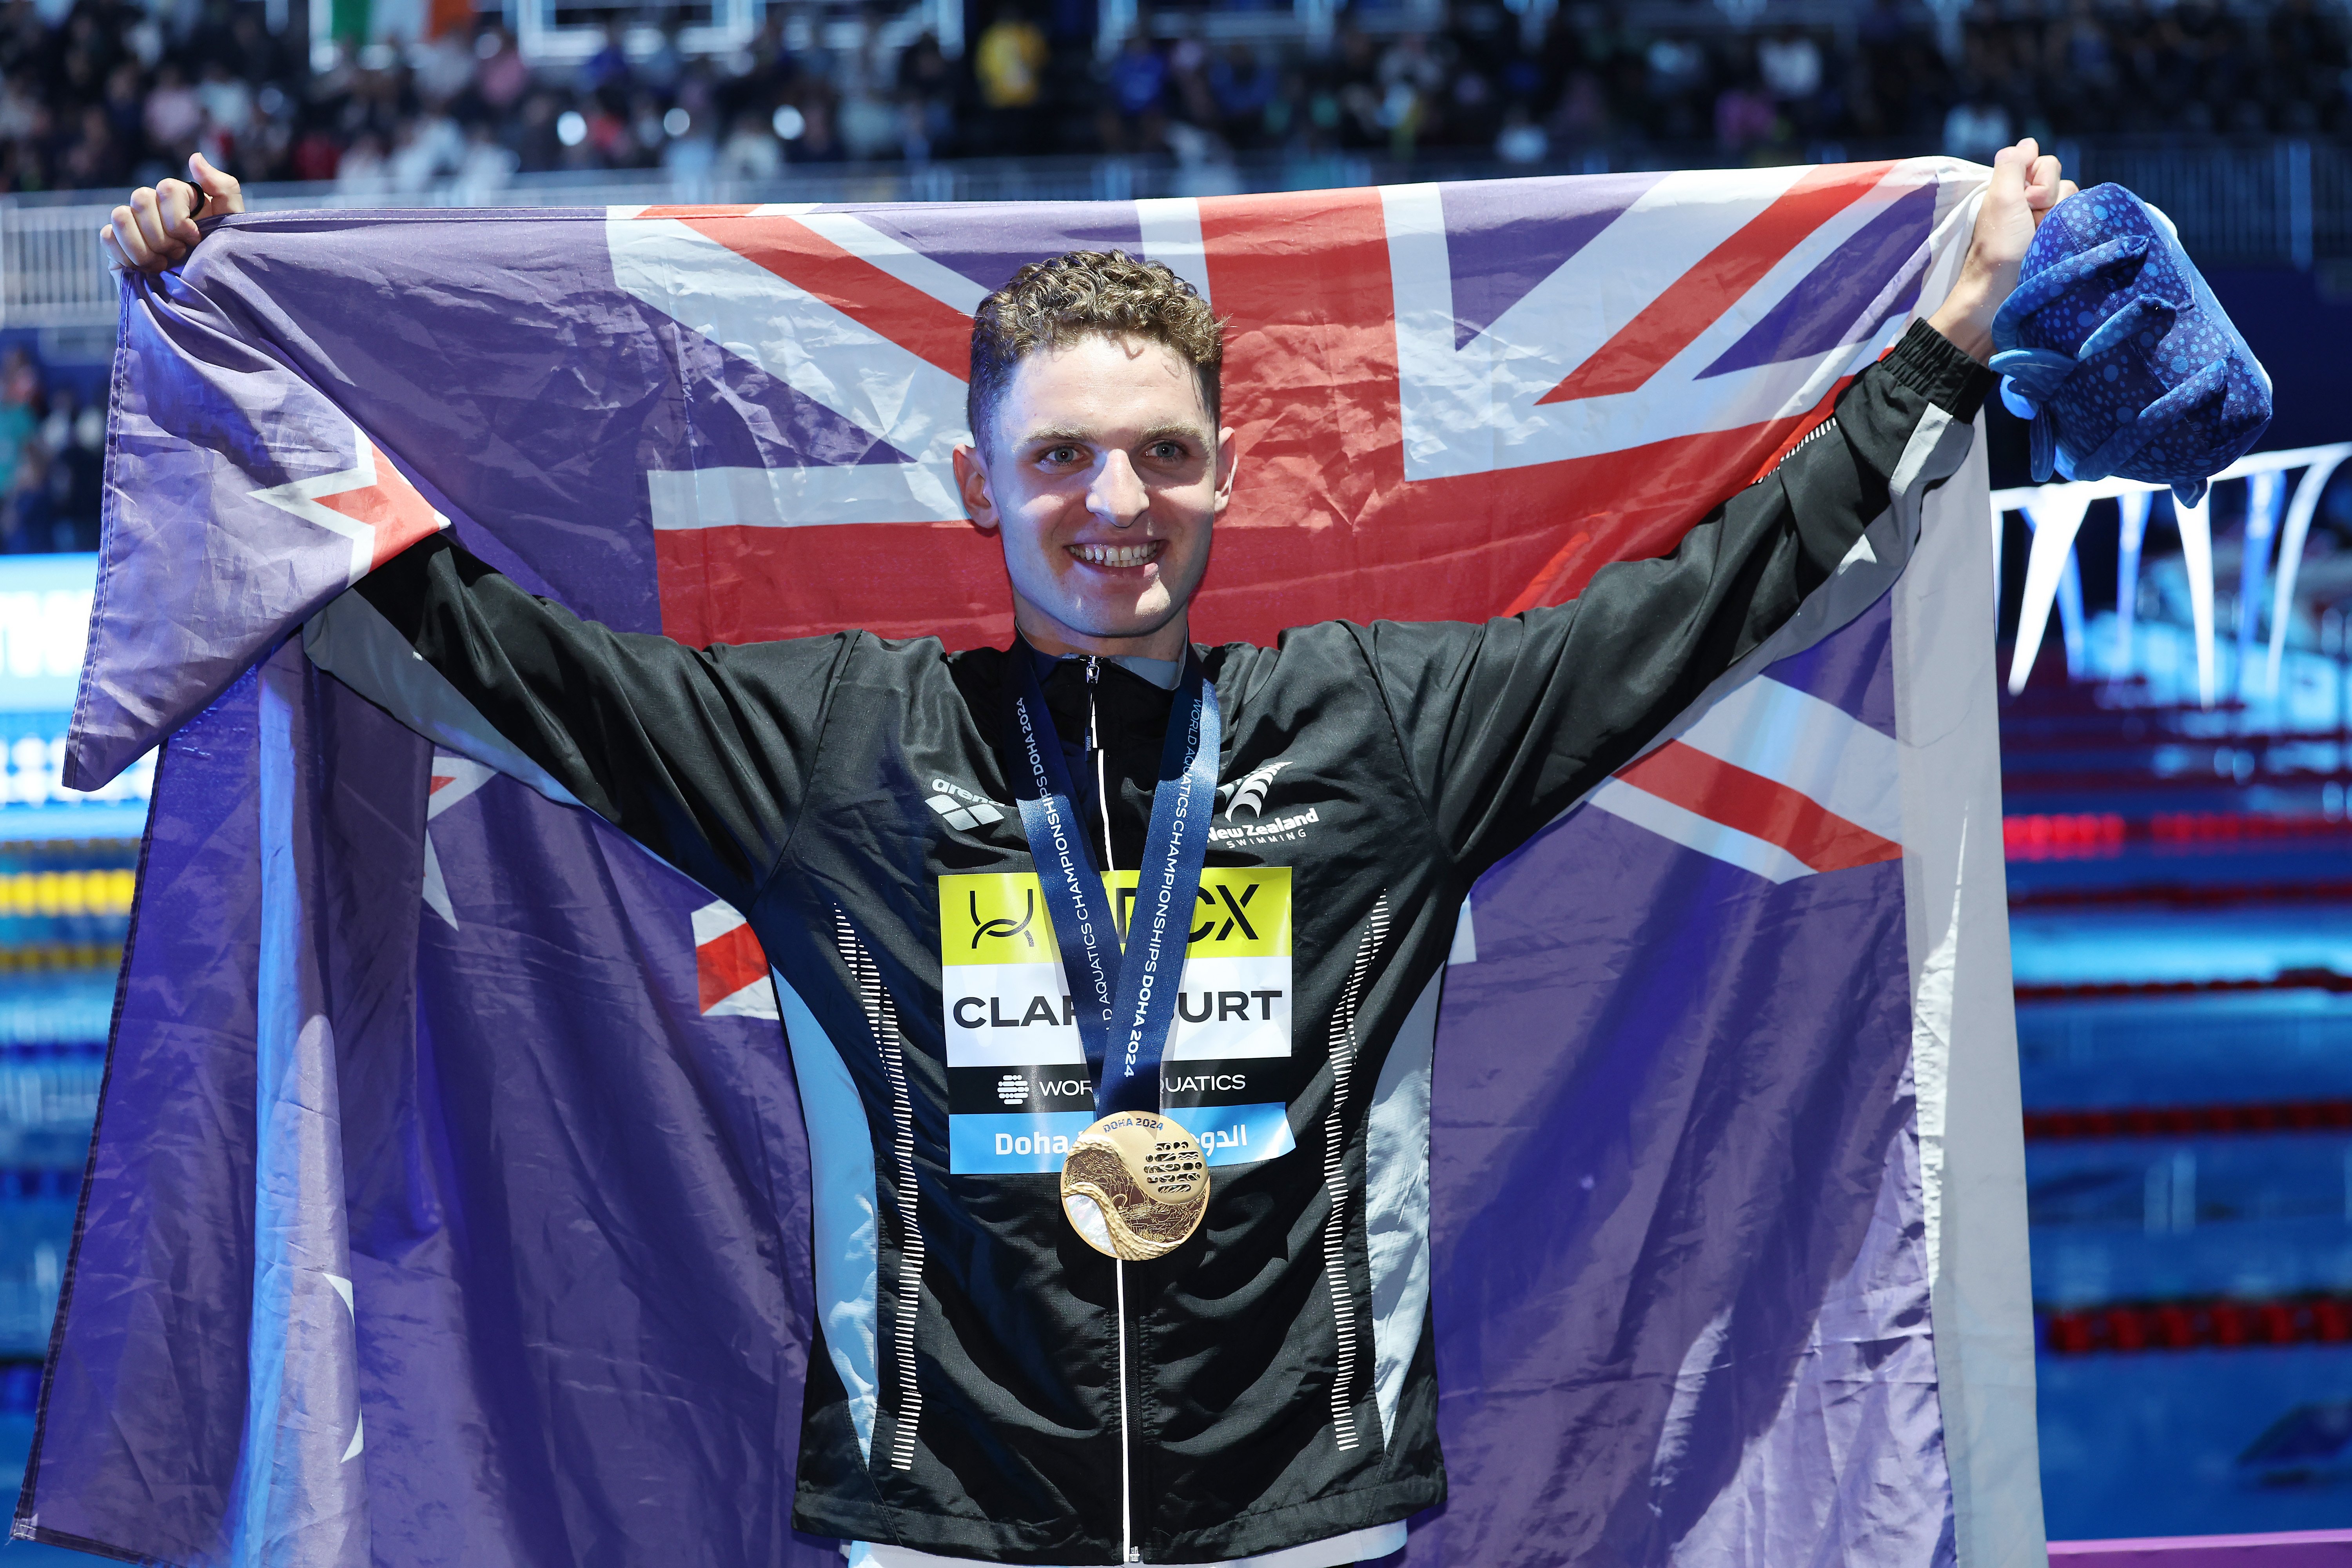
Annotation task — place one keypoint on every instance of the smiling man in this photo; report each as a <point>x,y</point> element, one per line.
<point>1110,961</point>
<point>1099,460</point>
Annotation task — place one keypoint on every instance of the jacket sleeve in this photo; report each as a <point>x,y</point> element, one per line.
<point>1504,725</point>
<point>703,755</point>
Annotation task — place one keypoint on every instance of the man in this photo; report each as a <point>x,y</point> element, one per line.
<point>919,838</point>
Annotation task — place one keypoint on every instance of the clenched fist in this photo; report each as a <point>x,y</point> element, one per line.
<point>2026,183</point>
<point>155,230</point>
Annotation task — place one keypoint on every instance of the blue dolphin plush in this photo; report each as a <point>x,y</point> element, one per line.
<point>2118,352</point>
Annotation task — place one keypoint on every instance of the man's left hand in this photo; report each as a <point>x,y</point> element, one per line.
<point>2026,183</point>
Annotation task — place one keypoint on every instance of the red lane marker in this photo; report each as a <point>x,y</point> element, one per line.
<point>2134,1326</point>
<point>2286,980</point>
<point>2180,895</point>
<point>1698,298</point>
<point>2255,1118</point>
<point>1757,806</point>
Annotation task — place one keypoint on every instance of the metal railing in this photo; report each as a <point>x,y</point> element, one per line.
<point>53,270</point>
<point>2277,515</point>
<point>2266,203</point>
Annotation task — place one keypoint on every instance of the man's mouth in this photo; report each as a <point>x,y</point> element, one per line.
<point>1115,555</point>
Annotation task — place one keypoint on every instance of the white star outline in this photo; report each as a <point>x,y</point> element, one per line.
<point>302,499</point>
<point>453,778</point>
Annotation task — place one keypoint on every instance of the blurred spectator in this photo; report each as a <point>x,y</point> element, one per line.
<point>20,391</point>
<point>749,152</point>
<point>363,170</point>
<point>927,100</point>
<point>1187,83</point>
<point>1583,112</point>
<point>1743,118</point>
<point>485,166</point>
<point>1411,74</point>
<point>28,516</point>
<point>1791,66</point>
<point>429,149</point>
<point>174,110</point>
<point>1009,66</point>
<point>1010,60</point>
<point>863,75</point>
<point>1976,129</point>
<point>1522,140</point>
<point>502,77</point>
<point>1243,88</point>
<point>1134,121</point>
<point>227,101</point>
<point>73,440</point>
<point>24,517</point>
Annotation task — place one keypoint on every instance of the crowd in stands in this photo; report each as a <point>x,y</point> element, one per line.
<point>100,94</point>
<point>52,458</point>
<point>96,94</point>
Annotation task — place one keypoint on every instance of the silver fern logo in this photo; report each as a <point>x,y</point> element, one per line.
<point>1249,794</point>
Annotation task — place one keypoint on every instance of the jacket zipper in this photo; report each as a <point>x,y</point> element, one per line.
<point>1127,1551</point>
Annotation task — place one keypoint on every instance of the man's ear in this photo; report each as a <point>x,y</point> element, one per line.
<point>971,485</point>
<point>1228,458</point>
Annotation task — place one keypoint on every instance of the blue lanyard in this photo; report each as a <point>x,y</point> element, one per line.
<point>1126,1001</point>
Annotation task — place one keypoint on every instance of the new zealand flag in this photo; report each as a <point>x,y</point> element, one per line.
<point>449,1201</point>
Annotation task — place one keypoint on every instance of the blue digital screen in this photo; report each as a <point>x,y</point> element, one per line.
<point>44,604</point>
<point>44,628</point>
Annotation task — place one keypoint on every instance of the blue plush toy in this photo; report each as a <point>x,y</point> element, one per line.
<point>2118,352</point>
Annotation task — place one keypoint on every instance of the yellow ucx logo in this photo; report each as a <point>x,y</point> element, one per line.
<point>1019,1094</point>
<point>1008,1004</point>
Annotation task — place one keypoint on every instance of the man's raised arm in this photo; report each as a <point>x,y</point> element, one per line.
<point>703,755</point>
<point>1507,724</point>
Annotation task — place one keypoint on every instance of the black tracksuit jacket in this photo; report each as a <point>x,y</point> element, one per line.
<point>851,797</point>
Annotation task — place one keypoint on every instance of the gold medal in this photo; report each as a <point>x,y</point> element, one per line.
<point>1135,1186</point>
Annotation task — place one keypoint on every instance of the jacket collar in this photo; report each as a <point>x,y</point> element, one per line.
<point>1163,673</point>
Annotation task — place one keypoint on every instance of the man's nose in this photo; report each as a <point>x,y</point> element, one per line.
<point>1117,496</point>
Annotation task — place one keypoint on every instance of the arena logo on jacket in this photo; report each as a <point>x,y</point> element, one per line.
<point>1018,1089</point>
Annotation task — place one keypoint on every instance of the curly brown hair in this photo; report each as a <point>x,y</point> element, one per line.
<point>1106,293</point>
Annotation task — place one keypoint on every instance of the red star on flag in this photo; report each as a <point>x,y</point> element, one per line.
<point>452,780</point>
<point>730,969</point>
<point>369,503</point>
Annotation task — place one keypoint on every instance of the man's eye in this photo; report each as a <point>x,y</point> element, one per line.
<point>1062,455</point>
<point>1168,451</point>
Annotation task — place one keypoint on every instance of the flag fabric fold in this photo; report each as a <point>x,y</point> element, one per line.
<point>451,1197</point>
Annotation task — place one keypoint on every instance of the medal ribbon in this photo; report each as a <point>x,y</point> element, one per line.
<point>1126,1001</point>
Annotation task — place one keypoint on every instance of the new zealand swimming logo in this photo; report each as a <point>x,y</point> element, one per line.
<point>1249,793</point>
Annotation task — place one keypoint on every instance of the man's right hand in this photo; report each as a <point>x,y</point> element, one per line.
<point>155,230</point>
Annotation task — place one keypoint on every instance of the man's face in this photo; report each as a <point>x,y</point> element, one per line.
<point>1103,474</point>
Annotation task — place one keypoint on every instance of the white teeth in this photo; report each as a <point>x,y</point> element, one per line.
<point>1115,555</point>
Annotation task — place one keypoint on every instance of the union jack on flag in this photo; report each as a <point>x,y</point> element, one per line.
<point>1513,383</point>
<point>1743,1015</point>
